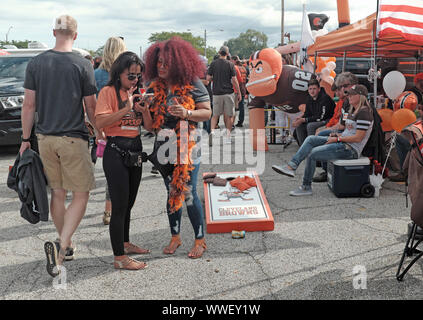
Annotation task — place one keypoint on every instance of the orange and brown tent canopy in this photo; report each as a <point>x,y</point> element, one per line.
<point>358,40</point>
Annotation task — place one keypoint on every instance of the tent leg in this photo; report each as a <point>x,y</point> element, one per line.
<point>409,251</point>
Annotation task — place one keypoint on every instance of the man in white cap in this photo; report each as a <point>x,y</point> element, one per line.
<point>57,84</point>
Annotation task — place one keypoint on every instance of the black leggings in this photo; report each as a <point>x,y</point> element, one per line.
<point>123,185</point>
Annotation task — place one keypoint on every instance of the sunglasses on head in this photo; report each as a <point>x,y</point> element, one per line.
<point>133,76</point>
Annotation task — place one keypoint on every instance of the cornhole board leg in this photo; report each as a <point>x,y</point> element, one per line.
<point>247,211</point>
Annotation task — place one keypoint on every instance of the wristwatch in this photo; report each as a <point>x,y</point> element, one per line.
<point>189,114</point>
<point>25,140</point>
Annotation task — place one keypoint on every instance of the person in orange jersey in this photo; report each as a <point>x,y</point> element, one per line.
<point>120,117</point>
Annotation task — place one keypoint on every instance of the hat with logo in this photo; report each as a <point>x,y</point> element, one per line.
<point>357,89</point>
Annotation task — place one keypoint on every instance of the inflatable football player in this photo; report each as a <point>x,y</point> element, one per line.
<point>271,84</point>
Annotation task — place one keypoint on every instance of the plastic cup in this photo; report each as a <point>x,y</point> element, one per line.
<point>101,145</point>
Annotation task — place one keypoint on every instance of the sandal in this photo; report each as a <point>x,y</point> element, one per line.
<point>198,249</point>
<point>174,244</point>
<point>133,249</point>
<point>126,263</point>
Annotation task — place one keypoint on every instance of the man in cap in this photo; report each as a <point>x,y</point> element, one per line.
<point>222,73</point>
<point>57,84</point>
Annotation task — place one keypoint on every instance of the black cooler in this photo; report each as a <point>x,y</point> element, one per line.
<point>350,178</point>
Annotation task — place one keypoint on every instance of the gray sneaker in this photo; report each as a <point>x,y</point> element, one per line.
<point>284,170</point>
<point>302,191</point>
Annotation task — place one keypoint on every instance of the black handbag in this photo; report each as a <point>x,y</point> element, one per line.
<point>131,158</point>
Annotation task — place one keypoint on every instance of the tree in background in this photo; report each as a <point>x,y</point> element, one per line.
<point>247,43</point>
<point>17,43</point>
<point>197,42</point>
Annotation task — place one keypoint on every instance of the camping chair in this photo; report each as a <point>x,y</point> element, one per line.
<point>416,130</point>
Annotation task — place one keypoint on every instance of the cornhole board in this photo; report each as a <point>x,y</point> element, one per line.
<point>227,209</point>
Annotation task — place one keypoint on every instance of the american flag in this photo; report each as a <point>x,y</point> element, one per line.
<point>401,16</point>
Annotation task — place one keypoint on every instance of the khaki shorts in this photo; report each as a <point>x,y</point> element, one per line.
<point>224,104</point>
<point>67,163</point>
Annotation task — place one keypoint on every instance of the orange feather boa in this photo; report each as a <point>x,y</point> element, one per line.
<point>183,163</point>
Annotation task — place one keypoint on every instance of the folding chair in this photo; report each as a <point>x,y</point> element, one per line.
<point>412,242</point>
<point>409,250</point>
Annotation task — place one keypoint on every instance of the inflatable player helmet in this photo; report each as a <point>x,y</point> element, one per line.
<point>407,99</point>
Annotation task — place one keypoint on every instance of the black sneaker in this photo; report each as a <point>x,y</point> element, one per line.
<point>52,254</point>
<point>70,251</point>
<point>239,125</point>
<point>322,177</point>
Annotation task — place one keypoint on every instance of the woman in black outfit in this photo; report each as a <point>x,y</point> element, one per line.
<point>120,118</point>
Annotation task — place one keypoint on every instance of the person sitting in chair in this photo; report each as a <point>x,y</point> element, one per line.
<point>347,145</point>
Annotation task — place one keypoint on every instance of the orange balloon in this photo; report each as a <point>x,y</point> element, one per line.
<point>407,99</point>
<point>332,59</point>
<point>312,59</point>
<point>333,74</point>
<point>386,116</point>
<point>402,118</point>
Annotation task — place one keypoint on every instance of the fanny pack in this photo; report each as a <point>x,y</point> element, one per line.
<point>131,158</point>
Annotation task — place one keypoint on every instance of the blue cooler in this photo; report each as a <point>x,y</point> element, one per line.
<point>350,178</point>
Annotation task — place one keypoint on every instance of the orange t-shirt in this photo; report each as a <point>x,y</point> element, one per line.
<point>107,103</point>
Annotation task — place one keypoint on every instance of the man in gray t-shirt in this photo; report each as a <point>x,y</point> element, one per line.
<point>58,84</point>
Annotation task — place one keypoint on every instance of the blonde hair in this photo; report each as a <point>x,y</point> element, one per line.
<point>66,25</point>
<point>363,102</point>
<point>112,49</point>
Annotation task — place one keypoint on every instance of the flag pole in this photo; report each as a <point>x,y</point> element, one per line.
<point>375,71</point>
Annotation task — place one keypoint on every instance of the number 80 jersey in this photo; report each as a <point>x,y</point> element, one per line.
<point>291,91</point>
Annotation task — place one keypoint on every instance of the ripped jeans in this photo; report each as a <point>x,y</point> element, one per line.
<point>194,207</point>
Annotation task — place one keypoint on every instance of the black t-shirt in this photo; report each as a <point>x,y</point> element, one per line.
<point>222,71</point>
<point>61,80</point>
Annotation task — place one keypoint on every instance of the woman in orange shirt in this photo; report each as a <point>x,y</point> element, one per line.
<point>121,118</point>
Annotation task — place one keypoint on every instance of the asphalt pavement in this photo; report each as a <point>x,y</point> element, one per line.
<point>322,247</point>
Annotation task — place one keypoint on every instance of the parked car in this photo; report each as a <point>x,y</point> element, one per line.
<point>12,76</point>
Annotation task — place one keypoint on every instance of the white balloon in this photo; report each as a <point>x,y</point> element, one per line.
<point>331,65</point>
<point>325,72</point>
<point>394,84</point>
<point>330,80</point>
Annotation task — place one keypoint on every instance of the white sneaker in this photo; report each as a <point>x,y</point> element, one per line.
<point>302,191</point>
<point>284,170</point>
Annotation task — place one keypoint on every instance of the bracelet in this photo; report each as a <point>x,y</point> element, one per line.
<point>339,139</point>
<point>25,140</point>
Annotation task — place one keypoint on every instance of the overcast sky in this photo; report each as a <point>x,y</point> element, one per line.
<point>136,20</point>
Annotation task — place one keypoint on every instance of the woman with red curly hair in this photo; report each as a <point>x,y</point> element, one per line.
<point>180,102</point>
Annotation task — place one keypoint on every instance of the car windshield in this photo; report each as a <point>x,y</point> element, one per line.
<point>13,67</point>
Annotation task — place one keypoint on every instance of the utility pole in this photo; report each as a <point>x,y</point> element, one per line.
<point>7,34</point>
<point>282,22</point>
<point>205,43</point>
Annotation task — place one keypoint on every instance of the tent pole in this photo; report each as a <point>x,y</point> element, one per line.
<point>315,61</point>
<point>344,63</point>
<point>375,71</point>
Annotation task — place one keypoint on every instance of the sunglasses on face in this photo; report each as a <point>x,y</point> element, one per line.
<point>133,76</point>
